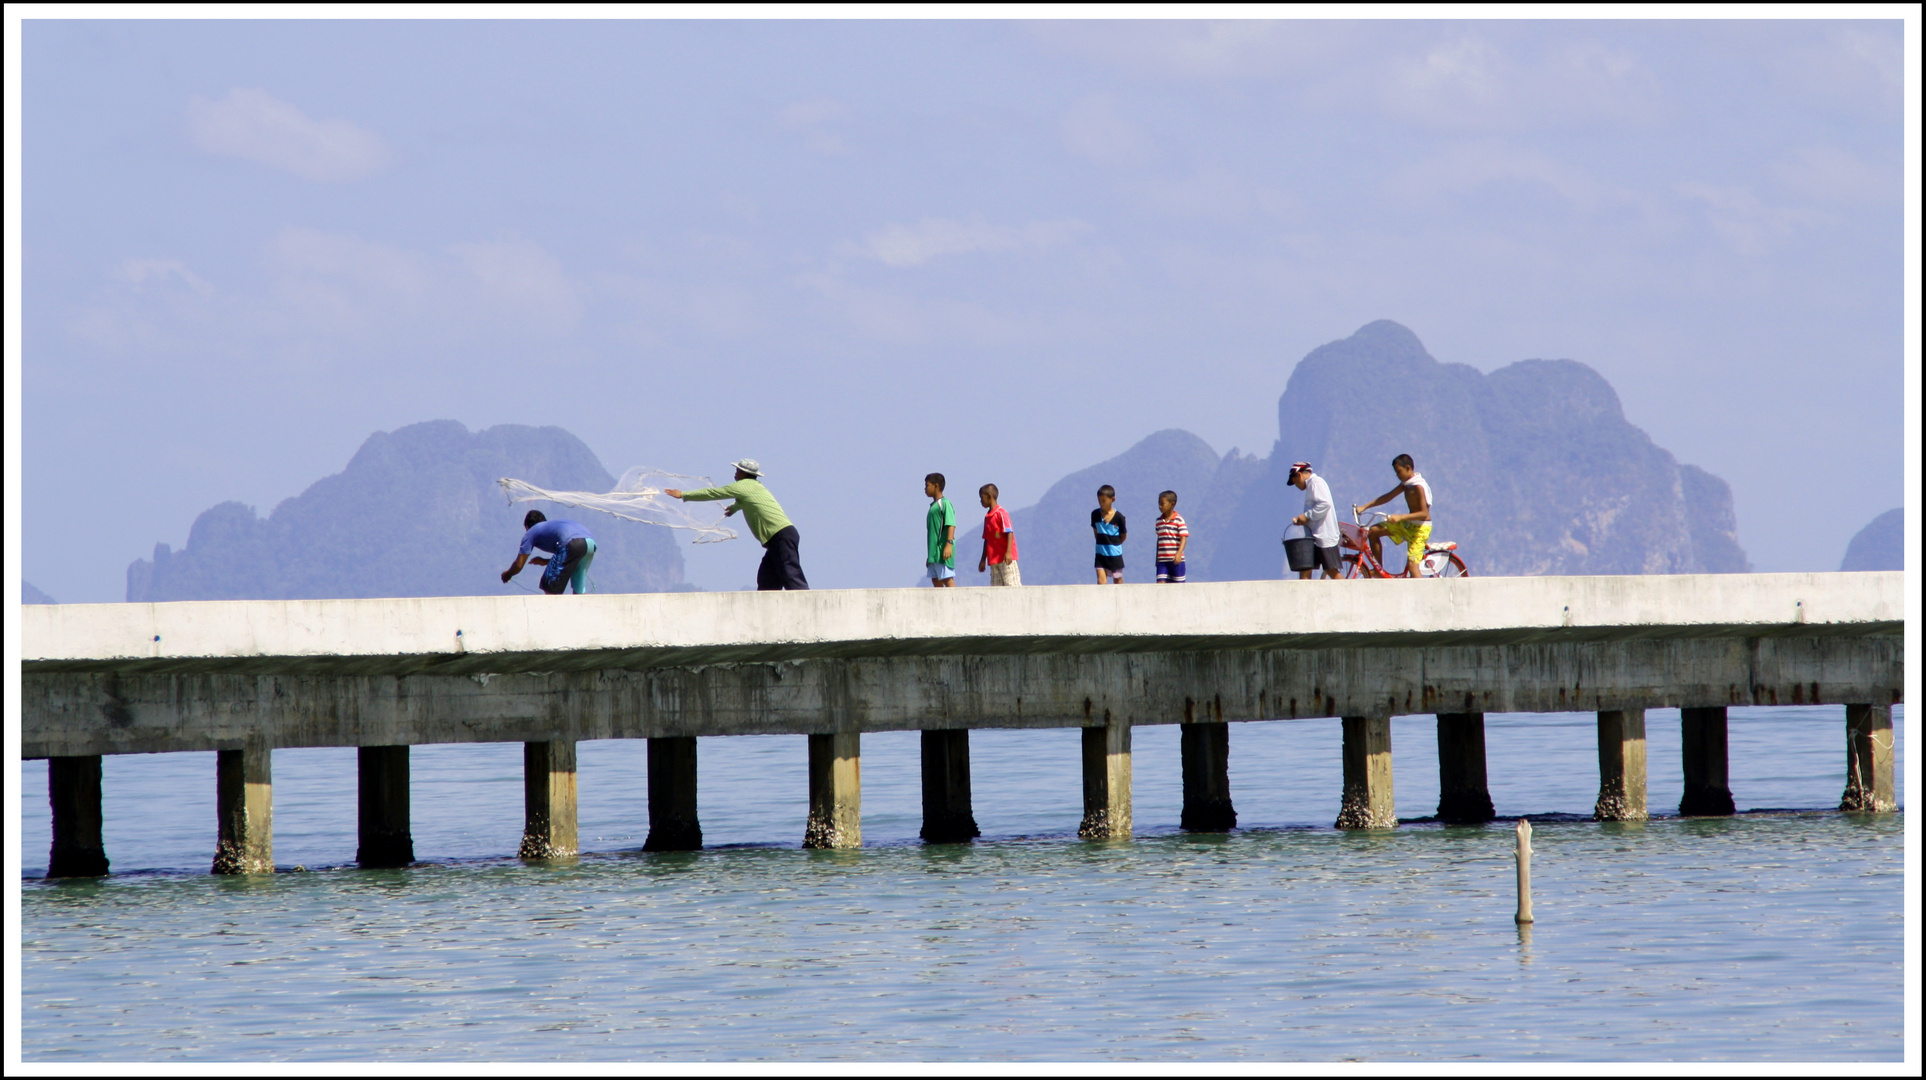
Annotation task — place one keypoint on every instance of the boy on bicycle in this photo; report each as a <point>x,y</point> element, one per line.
<point>1413,530</point>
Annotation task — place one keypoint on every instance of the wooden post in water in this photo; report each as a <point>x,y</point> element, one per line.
<point>1524,872</point>
<point>1464,797</point>
<point>835,791</point>
<point>1367,774</point>
<point>947,815</point>
<point>1106,781</point>
<point>1621,766</point>
<point>673,825</point>
<point>1206,760</point>
<point>73,792</point>
<point>383,797</point>
<point>548,799</point>
<point>244,809</point>
<point>1869,759</point>
<point>1703,742</point>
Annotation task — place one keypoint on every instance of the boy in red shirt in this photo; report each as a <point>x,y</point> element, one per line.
<point>999,541</point>
<point>1173,536</point>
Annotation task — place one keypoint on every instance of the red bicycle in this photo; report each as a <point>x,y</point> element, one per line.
<point>1440,557</point>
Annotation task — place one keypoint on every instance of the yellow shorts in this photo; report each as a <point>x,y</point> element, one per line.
<point>1414,535</point>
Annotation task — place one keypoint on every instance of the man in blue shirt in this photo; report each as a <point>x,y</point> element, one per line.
<point>571,549</point>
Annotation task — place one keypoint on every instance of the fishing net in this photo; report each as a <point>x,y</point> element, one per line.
<point>638,497</point>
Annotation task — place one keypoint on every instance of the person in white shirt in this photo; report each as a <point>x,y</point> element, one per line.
<point>1317,519</point>
<point>1413,530</point>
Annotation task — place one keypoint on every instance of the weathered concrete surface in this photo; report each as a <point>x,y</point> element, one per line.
<point>548,800</point>
<point>1367,774</point>
<point>1869,759</point>
<point>673,823</point>
<point>835,791</point>
<point>948,817</point>
<point>73,790</point>
<point>1703,743</point>
<point>1464,795</point>
<point>1621,766</point>
<point>95,679</point>
<point>244,807</point>
<point>1106,781</point>
<point>383,824</point>
<point>1205,746</point>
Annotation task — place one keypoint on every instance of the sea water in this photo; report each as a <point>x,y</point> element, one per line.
<point>1772,935</point>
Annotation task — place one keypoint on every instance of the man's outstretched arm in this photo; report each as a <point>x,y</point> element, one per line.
<point>521,560</point>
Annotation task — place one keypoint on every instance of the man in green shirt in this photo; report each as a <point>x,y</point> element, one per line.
<point>940,524</point>
<point>781,562</point>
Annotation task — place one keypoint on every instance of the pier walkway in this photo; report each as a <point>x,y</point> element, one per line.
<point>245,677</point>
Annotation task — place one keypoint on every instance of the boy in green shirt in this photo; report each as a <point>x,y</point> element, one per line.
<point>781,558</point>
<point>940,529</point>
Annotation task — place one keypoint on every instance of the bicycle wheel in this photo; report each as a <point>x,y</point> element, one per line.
<point>1451,566</point>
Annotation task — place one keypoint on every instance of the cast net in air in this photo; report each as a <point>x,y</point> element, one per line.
<point>638,497</point>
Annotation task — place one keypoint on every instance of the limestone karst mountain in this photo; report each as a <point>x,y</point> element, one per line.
<point>416,513</point>
<point>1881,545</point>
<point>31,595</point>
<point>1534,468</point>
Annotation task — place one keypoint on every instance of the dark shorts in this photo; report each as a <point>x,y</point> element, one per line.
<point>1171,573</point>
<point>562,567</point>
<point>781,562</point>
<point>1328,558</point>
<point>1110,562</point>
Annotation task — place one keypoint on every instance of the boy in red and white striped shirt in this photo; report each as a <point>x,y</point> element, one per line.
<point>1173,536</point>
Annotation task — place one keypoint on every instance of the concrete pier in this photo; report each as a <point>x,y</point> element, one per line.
<point>1621,766</point>
<point>1106,781</point>
<point>835,791</point>
<point>1703,741</point>
<point>1207,797</point>
<point>73,789</point>
<point>244,807</point>
<point>383,796</point>
<point>947,815</point>
<point>1869,759</point>
<point>673,824</point>
<point>1367,774</point>
<point>1464,796</point>
<point>388,673</point>
<point>548,799</point>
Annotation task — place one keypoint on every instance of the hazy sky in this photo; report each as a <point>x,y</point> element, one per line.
<point>864,251</point>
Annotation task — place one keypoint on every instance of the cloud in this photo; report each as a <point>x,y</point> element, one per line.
<point>1746,222</point>
<point>255,126</point>
<point>814,120</point>
<point>1094,129</point>
<point>1469,83</point>
<point>1829,174</point>
<point>930,238</point>
<point>1234,49</point>
<point>1467,167</point>
<point>160,271</point>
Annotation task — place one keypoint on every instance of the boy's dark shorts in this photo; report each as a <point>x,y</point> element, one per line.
<point>1171,573</point>
<point>1110,562</point>
<point>1330,560</point>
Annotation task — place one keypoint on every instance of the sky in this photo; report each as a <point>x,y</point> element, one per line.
<point>864,251</point>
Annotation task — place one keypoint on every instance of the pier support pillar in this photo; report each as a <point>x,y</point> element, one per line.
<point>1106,782</point>
<point>73,790</point>
<point>548,799</point>
<point>1367,774</point>
<point>1464,796</point>
<point>673,825</point>
<point>835,791</point>
<point>385,839</point>
<point>244,808</point>
<point>1207,798</point>
<point>1621,766</point>
<point>1707,789</point>
<point>1869,759</point>
<point>947,816</point>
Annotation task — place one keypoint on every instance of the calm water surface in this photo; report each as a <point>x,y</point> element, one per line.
<point>1766,936</point>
